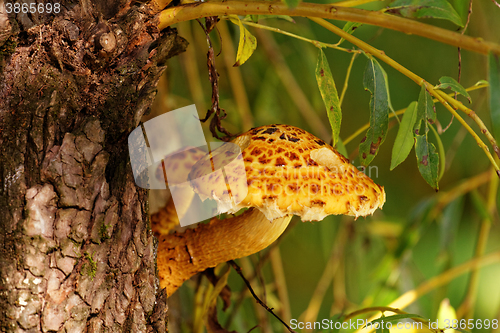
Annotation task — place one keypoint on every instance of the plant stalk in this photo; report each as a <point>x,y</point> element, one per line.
<point>340,11</point>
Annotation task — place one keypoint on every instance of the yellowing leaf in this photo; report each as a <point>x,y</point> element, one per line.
<point>446,315</point>
<point>247,43</point>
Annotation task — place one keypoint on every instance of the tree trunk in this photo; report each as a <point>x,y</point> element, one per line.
<point>77,253</point>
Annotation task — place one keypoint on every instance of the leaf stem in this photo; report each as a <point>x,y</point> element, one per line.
<point>286,33</point>
<point>339,11</point>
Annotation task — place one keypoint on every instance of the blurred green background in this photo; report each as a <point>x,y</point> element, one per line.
<point>378,258</point>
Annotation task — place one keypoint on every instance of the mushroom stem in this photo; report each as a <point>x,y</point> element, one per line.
<point>164,220</point>
<point>181,255</point>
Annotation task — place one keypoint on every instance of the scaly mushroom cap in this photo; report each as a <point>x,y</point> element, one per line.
<point>288,171</point>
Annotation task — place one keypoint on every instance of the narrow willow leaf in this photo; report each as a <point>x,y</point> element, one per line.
<point>494,79</point>
<point>480,82</point>
<point>247,43</point>
<point>426,109</point>
<point>442,154</point>
<point>427,160</point>
<point>404,139</point>
<point>448,82</point>
<point>349,27</point>
<point>374,81</point>
<point>256,18</point>
<point>462,8</point>
<point>292,3</point>
<point>440,9</point>
<point>329,94</point>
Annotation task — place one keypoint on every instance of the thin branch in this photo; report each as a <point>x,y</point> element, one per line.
<point>442,97</point>
<point>238,270</point>
<point>231,7</point>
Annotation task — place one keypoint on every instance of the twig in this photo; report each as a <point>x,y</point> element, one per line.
<point>238,270</point>
<point>337,12</point>
<point>213,75</point>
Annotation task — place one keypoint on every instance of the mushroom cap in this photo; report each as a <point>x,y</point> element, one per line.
<point>288,171</point>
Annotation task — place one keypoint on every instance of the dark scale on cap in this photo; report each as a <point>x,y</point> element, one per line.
<point>280,161</point>
<point>294,139</point>
<point>270,130</point>
<point>320,142</point>
<point>282,136</point>
<point>256,152</point>
<point>320,203</point>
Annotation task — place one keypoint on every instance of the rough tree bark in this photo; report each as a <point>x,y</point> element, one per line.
<point>76,250</point>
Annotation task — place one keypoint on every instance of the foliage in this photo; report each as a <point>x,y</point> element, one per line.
<point>416,251</point>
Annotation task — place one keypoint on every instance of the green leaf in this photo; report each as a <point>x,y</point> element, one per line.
<point>494,79</point>
<point>462,8</point>
<point>292,3</point>
<point>404,139</point>
<point>442,154</point>
<point>374,80</point>
<point>256,18</point>
<point>247,43</point>
<point>349,27</point>
<point>329,94</point>
<point>425,110</point>
<point>480,82</point>
<point>427,160</point>
<point>440,9</point>
<point>448,82</point>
